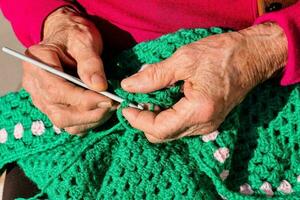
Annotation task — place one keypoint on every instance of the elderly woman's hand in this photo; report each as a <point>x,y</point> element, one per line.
<point>73,41</point>
<point>217,71</point>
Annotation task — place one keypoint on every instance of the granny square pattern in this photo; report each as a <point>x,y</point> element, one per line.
<point>254,154</point>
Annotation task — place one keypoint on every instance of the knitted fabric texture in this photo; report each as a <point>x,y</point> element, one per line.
<point>254,154</point>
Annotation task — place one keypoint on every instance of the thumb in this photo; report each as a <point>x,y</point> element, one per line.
<point>152,77</point>
<point>90,69</point>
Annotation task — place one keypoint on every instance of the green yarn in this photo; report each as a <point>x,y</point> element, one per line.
<point>116,161</point>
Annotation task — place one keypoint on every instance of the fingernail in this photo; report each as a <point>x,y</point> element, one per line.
<point>97,79</point>
<point>104,104</point>
<point>114,108</point>
<point>124,112</point>
<point>124,83</point>
<point>128,82</point>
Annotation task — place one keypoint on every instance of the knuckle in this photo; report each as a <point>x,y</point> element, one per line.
<point>43,46</point>
<point>89,101</point>
<point>82,33</point>
<point>52,48</point>
<point>42,51</point>
<point>156,72</point>
<point>188,54</point>
<point>79,20</point>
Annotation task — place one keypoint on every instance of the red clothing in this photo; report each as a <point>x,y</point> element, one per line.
<point>145,20</point>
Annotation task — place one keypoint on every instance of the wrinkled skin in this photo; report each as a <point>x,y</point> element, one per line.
<point>69,40</point>
<point>218,72</point>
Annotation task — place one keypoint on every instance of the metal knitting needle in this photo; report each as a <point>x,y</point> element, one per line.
<point>65,76</point>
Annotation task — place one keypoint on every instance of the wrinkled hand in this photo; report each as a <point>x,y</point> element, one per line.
<point>69,40</point>
<point>217,71</point>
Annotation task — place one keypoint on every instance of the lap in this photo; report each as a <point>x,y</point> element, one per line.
<point>17,184</point>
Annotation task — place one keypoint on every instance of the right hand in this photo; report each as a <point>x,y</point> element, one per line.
<point>69,40</point>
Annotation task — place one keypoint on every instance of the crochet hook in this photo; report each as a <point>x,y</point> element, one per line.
<point>65,76</point>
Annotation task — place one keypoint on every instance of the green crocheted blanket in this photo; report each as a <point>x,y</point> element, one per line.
<point>254,155</point>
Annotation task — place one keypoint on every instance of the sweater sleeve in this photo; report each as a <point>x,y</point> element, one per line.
<point>289,20</point>
<point>27,17</point>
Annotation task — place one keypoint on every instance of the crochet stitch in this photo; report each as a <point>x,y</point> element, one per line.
<point>254,154</point>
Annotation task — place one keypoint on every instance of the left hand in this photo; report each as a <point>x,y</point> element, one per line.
<point>218,72</point>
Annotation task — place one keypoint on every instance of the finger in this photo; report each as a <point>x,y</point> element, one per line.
<point>82,129</point>
<point>61,91</point>
<point>45,54</point>
<point>153,139</point>
<point>69,94</point>
<point>62,54</point>
<point>152,77</point>
<point>156,140</point>
<point>90,67</point>
<point>164,125</point>
<point>56,90</point>
<point>63,116</point>
<point>200,129</point>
